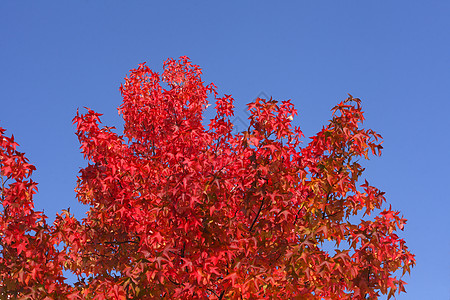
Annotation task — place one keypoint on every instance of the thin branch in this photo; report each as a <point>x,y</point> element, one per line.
<point>212,291</point>
<point>174,282</point>
<point>257,215</point>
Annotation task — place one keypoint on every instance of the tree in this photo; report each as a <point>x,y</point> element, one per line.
<point>179,210</point>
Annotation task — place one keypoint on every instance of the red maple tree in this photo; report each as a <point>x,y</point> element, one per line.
<point>180,210</point>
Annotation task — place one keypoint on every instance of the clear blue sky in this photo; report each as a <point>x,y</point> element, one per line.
<point>56,56</point>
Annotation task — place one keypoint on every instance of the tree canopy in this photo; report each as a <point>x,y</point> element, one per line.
<point>182,209</point>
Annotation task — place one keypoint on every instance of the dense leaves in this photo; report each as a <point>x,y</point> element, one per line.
<point>179,209</point>
<point>30,265</point>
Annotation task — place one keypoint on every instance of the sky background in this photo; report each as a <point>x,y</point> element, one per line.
<point>58,56</point>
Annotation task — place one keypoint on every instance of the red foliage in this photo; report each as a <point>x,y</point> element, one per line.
<point>181,211</point>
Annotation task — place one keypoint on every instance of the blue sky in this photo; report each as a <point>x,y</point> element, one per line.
<point>57,56</point>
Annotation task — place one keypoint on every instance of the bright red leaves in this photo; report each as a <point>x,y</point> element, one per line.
<point>181,211</point>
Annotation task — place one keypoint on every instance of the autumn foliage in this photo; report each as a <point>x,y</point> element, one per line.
<point>182,209</point>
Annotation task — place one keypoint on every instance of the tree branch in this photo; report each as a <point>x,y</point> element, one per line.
<point>257,215</point>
